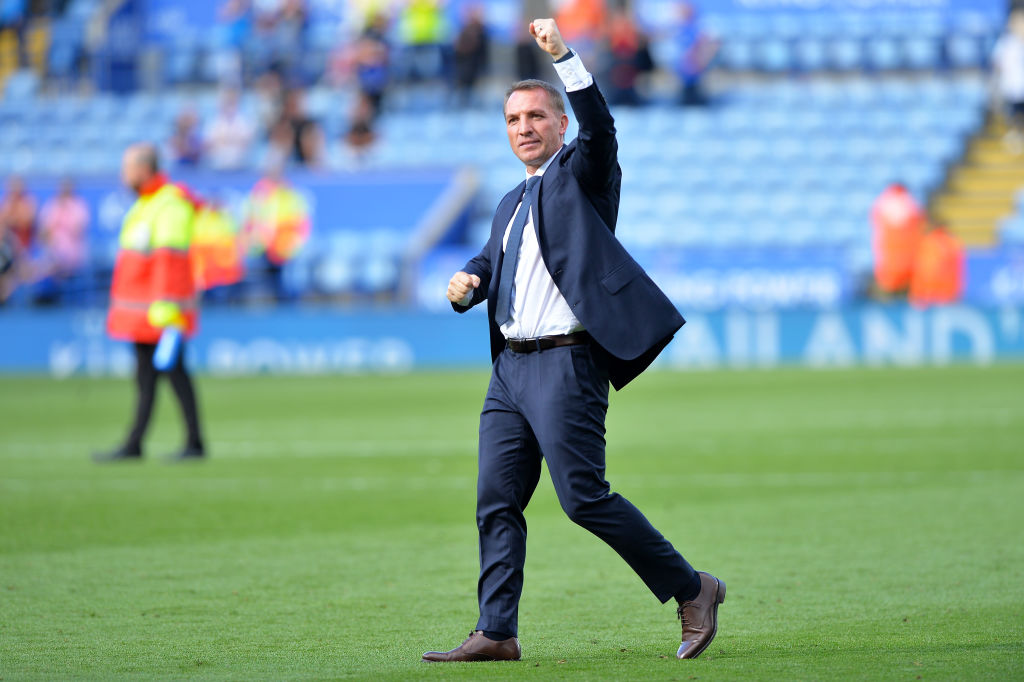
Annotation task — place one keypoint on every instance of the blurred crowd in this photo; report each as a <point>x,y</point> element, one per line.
<point>385,49</point>
<point>407,45</point>
<point>277,50</point>
<point>45,247</point>
<point>259,66</point>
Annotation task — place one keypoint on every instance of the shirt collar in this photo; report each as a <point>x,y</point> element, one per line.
<point>540,171</point>
<point>151,186</point>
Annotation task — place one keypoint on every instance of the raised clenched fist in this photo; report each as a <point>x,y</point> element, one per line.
<point>545,32</point>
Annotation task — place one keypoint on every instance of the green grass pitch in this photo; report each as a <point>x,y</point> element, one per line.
<point>868,524</point>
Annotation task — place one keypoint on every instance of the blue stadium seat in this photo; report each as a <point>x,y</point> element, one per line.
<point>966,51</point>
<point>379,274</point>
<point>923,52</point>
<point>810,54</point>
<point>21,85</point>
<point>884,53</point>
<point>774,55</point>
<point>847,54</point>
<point>737,54</point>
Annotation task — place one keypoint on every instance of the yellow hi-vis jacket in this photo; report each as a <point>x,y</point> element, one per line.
<point>153,284</point>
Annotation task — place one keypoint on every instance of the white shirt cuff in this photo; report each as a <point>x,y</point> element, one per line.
<point>573,74</point>
<point>467,300</point>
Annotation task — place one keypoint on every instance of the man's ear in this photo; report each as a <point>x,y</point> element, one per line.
<point>563,124</point>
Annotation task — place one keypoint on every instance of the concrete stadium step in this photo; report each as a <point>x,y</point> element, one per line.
<point>991,153</point>
<point>987,179</point>
<point>973,233</point>
<point>981,190</point>
<point>975,204</point>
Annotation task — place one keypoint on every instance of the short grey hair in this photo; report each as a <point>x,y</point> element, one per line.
<point>554,94</point>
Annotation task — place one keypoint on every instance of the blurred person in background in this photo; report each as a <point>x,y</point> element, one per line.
<point>8,262</point>
<point>63,222</point>
<point>17,236</point>
<point>294,136</point>
<point>280,31</point>
<point>361,134</point>
<point>234,26</point>
<point>216,249</point>
<point>897,226</point>
<point>186,146</point>
<point>290,33</point>
<point>696,50</point>
<point>628,56</point>
<point>938,277</point>
<point>422,27</point>
<point>528,63</point>
<point>269,94</point>
<point>18,214</point>
<point>153,289</point>
<point>471,52</point>
<point>582,23</point>
<point>1008,80</point>
<point>371,61</point>
<point>229,134</point>
<point>276,226</point>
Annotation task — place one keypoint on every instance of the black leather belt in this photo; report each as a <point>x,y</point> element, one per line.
<point>547,342</point>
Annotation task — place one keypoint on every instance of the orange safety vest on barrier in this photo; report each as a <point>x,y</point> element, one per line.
<point>938,270</point>
<point>216,252</point>
<point>898,223</point>
<point>153,269</point>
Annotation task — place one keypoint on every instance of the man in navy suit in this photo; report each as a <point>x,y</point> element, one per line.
<point>569,312</point>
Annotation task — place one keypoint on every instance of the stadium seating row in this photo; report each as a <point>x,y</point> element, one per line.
<point>772,165</point>
<point>846,53</point>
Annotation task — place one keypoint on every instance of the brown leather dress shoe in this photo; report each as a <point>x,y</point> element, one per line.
<point>478,648</point>
<point>700,616</point>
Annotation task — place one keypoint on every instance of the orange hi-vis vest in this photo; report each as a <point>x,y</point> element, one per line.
<point>898,224</point>
<point>216,252</point>
<point>938,270</point>
<point>278,220</point>
<point>153,266</point>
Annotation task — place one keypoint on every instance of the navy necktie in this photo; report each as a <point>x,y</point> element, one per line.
<point>507,278</point>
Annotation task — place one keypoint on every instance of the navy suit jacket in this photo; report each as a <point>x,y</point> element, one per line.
<point>575,212</point>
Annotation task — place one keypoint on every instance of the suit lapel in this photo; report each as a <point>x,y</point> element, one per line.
<point>550,182</point>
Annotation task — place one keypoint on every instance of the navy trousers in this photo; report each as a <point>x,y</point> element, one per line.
<point>552,404</point>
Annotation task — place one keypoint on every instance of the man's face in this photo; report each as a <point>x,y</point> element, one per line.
<point>133,172</point>
<point>535,128</point>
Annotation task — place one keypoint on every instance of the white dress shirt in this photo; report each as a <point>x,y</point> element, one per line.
<point>538,307</point>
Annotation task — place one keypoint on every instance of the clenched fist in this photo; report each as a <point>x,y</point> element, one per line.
<point>545,32</point>
<point>460,285</point>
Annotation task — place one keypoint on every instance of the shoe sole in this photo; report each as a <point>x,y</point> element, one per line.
<point>478,659</point>
<point>719,598</point>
